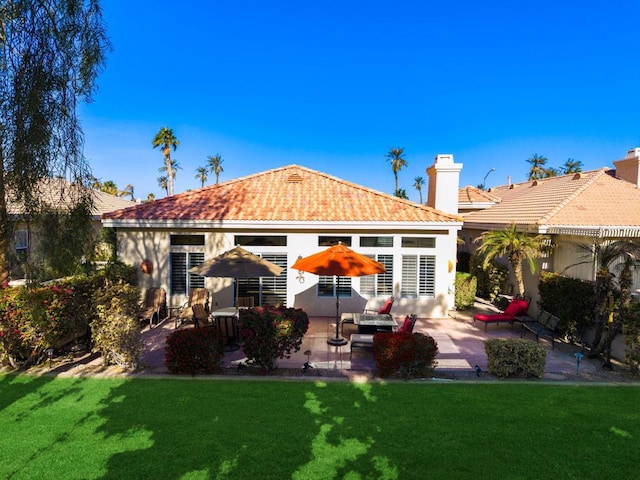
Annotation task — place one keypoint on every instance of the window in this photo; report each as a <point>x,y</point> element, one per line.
<point>181,280</point>
<point>187,240</point>
<point>21,238</point>
<point>327,286</point>
<point>418,242</point>
<point>376,241</point>
<point>261,241</point>
<point>328,241</point>
<point>418,275</point>
<point>380,284</point>
<point>267,290</point>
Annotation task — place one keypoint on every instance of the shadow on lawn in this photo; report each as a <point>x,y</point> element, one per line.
<point>246,429</point>
<point>14,387</point>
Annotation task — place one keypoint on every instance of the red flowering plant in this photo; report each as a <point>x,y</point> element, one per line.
<point>404,354</point>
<point>194,350</point>
<point>269,333</point>
<point>33,320</point>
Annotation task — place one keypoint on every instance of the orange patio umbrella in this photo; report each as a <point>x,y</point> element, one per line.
<point>340,261</point>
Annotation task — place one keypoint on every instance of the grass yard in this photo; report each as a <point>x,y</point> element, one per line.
<point>183,428</point>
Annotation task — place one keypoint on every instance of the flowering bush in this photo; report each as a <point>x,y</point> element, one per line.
<point>405,354</point>
<point>269,333</point>
<point>33,320</point>
<point>194,350</point>
<point>116,332</point>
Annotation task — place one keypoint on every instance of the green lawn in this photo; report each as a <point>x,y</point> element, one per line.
<point>182,428</point>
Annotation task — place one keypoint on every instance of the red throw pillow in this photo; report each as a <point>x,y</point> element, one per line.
<point>406,326</point>
<point>386,308</point>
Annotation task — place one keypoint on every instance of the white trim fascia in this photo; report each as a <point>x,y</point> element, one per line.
<point>266,225</point>
<point>600,231</point>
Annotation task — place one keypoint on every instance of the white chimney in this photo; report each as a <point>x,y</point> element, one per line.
<point>444,182</point>
<point>629,168</point>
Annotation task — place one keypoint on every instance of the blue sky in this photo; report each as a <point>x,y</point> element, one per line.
<point>333,85</point>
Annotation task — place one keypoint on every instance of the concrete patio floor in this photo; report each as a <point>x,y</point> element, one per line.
<point>460,345</point>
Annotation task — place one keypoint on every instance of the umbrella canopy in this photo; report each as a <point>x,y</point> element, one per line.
<point>237,263</point>
<point>339,260</point>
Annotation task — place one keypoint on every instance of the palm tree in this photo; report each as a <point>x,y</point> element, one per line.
<point>151,197</point>
<point>537,169</point>
<point>571,166</point>
<point>175,166</point>
<point>418,182</point>
<point>128,190</point>
<point>166,140</point>
<point>516,245</point>
<point>109,187</point>
<point>215,165</point>
<point>395,157</point>
<point>163,183</point>
<point>201,175</point>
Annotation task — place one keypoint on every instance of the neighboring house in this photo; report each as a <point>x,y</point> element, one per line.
<point>581,208</point>
<point>291,212</point>
<point>56,191</point>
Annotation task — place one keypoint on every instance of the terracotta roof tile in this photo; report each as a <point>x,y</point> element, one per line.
<point>592,198</point>
<point>291,193</point>
<point>471,194</point>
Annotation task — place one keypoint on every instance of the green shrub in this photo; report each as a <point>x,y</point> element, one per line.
<point>194,350</point>
<point>116,332</point>
<point>571,300</point>
<point>491,280</point>
<point>515,357</point>
<point>465,290</point>
<point>269,333</point>
<point>404,354</point>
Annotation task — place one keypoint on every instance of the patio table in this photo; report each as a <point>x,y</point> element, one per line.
<point>371,323</point>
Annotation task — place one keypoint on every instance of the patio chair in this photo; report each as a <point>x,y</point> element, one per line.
<point>197,295</point>
<point>409,323</point>
<point>384,310</point>
<point>515,308</point>
<point>154,307</point>
<point>201,318</point>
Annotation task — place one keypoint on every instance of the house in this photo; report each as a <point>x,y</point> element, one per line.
<point>574,209</point>
<point>291,212</point>
<point>55,192</point>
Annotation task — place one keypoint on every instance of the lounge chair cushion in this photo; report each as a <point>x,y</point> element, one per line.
<point>516,307</point>
<point>494,317</point>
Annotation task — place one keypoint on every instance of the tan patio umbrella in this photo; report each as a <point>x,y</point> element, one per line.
<point>340,261</point>
<point>237,263</point>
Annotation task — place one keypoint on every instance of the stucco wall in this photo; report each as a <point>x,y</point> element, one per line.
<point>134,246</point>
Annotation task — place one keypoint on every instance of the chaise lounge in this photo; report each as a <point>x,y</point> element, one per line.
<point>515,308</point>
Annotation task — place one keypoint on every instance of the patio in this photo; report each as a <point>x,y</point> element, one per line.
<point>460,346</point>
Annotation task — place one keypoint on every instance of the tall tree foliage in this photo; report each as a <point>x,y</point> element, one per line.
<point>215,165</point>
<point>519,247</point>
<point>202,175</point>
<point>418,183</point>
<point>166,140</point>
<point>538,167</point>
<point>395,156</point>
<point>51,53</point>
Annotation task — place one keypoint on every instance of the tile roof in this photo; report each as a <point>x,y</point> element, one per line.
<point>58,191</point>
<point>470,195</point>
<point>290,193</point>
<point>594,198</point>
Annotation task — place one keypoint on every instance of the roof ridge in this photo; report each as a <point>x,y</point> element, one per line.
<point>592,178</point>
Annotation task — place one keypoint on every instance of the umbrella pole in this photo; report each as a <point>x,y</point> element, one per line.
<point>337,341</point>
